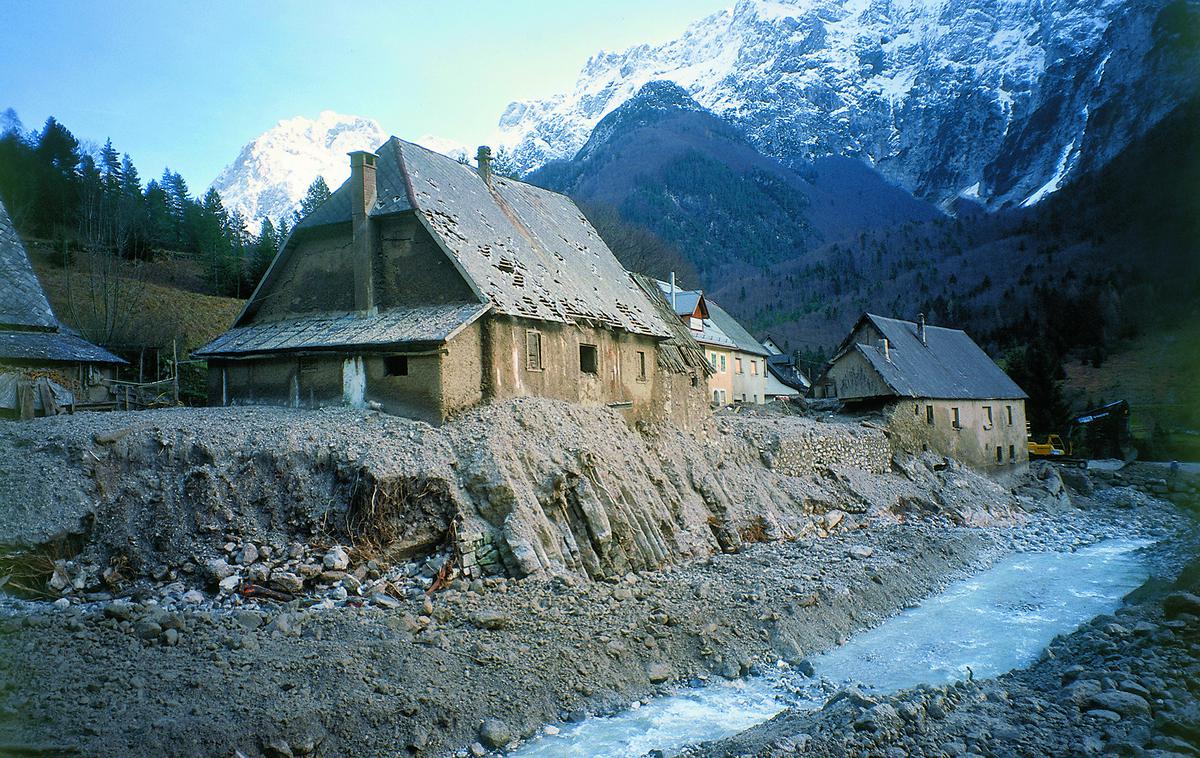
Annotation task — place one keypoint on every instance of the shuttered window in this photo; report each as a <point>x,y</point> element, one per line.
<point>533,350</point>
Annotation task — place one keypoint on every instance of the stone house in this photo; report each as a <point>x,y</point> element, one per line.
<point>423,287</point>
<point>44,367</point>
<point>938,389</point>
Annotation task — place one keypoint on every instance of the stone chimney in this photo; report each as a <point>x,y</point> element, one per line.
<point>362,198</point>
<point>921,330</point>
<point>484,158</point>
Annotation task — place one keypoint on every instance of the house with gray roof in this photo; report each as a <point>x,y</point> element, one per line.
<point>424,286</point>
<point>939,390</point>
<point>43,365</point>
<point>738,361</point>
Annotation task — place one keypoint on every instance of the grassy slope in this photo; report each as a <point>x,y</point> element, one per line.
<point>161,310</point>
<point>1157,374</point>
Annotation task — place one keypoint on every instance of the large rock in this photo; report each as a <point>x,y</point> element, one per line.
<point>336,559</point>
<point>494,733</point>
<point>1125,703</point>
<point>1181,602</point>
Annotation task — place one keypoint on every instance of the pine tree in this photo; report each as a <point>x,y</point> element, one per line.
<point>110,167</point>
<point>263,253</point>
<point>503,164</point>
<point>318,192</point>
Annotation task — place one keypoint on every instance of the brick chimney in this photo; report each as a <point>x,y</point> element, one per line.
<point>362,199</point>
<point>484,158</point>
<point>921,329</point>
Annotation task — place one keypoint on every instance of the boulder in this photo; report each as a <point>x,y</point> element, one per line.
<point>1125,703</point>
<point>336,559</point>
<point>1178,603</point>
<point>494,733</point>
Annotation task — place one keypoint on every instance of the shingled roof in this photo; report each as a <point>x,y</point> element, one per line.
<point>947,365</point>
<point>527,251</point>
<point>22,303</point>
<point>729,325</point>
<point>426,326</point>
<point>29,330</point>
<point>679,353</point>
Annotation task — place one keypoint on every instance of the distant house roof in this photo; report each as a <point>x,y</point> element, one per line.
<point>29,330</point>
<point>679,353</point>
<point>732,329</point>
<point>949,366</point>
<point>686,302</point>
<point>527,251</point>
<point>424,326</point>
<point>782,368</point>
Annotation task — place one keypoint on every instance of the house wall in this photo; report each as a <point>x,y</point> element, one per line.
<point>410,269</point>
<point>974,441</point>
<point>318,276</point>
<point>853,378</point>
<point>319,381</point>
<point>720,382</point>
<point>616,380</point>
<point>751,383</point>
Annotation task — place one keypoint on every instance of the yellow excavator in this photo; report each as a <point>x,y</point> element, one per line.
<point>1108,428</point>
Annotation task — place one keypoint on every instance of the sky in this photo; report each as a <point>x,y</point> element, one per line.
<point>186,85</point>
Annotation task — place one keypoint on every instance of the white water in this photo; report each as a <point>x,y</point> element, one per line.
<point>993,622</point>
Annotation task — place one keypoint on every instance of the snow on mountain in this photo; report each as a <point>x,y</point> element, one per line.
<point>272,173</point>
<point>942,96</point>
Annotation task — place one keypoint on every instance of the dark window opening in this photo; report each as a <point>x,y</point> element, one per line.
<point>308,365</point>
<point>395,365</point>
<point>957,420</point>
<point>1009,409</point>
<point>929,415</point>
<point>1012,453</point>
<point>589,359</point>
<point>641,366</point>
<point>999,454</point>
<point>533,350</point>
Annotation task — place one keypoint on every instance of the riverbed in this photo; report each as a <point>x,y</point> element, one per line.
<point>981,626</point>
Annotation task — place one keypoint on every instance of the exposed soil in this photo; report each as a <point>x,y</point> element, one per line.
<point>386,652</point>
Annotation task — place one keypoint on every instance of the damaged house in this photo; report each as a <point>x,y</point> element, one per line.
<point>939,390</point>
<point>422,287</point>
<point>44,367</point>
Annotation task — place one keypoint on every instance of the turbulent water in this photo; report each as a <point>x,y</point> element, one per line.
<point>983,626</point>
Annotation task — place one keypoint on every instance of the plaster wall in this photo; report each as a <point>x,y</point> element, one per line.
<point>317,277</point>
<point>720,382</point>
<point>974,441</point>
<point>750,384</point>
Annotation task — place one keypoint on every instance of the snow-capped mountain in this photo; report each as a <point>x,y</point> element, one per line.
<point>998,101</point>
<point>272,173</point>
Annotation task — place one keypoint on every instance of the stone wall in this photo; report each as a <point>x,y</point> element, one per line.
<point>802,447</point>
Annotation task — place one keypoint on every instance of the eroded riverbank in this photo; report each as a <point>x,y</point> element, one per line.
<point>420,679</point>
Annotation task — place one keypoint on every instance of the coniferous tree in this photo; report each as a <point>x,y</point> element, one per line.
<point>318,192</point>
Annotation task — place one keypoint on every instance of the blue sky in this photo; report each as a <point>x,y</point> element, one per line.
<point>187,84</point>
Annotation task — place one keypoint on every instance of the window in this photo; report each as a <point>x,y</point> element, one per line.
<point>1008,408</point>
<point>533,350</point>
<point>987,413</point>
<point>641,357</point>
<point>716,396</point>
<point>916,409</point>
<point>1012,454</point>
<point>754,368</point>
<point>696,324</point>
<point>723,368</point>
<point>929,415</point>
<point>999,454</point>
<point>395,365</point>
<point>308,365</point>
<point>737,365</point>
<point>957,424</point>
<point>589,359</point>
<point>712,360</point>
